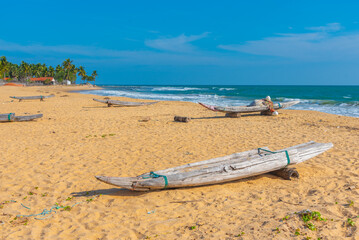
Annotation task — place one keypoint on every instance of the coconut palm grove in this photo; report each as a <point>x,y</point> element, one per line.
<point>67,71</point>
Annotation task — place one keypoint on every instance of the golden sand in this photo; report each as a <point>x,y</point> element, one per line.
<point>55,158</point>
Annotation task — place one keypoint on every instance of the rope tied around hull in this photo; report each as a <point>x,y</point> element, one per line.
<point>9,116</point>
<point>269,104</point>
<point>155,175</point>
<point>285,151</point>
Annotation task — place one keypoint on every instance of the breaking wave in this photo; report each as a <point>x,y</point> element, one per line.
<point>323,99</point>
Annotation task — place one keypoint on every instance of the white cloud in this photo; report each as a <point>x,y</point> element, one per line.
<point>330,27</point>
<point>176,50</point>
<point>176,44</point>
<point>98,54</point>
<point>317,46</point>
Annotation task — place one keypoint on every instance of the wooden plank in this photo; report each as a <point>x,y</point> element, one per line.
<point>267,113</point>
<point>286,173</point>
<point>181,119</point>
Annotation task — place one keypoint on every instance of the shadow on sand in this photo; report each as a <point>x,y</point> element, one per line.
<point>123,192</point>
<point>218,117</point>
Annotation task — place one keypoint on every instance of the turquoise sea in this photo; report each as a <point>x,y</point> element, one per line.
<point>340,100</point>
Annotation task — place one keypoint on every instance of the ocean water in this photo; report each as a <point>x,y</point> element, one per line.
<point>340,100</point>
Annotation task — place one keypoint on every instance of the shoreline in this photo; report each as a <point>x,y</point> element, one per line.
<point>54,160</point>
<point>156,99</point>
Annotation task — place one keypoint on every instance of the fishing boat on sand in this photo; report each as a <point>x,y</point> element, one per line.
<point>110,103</point>
<point>222,169</point>
<point>32,97</point>
<point>10,117</point>
<point>264,109</point>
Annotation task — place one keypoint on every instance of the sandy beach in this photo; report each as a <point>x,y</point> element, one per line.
<point>53,160</point>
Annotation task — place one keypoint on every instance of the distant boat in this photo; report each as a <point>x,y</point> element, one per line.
<point>32,97</point>
<point>10,117</point>
<point>14,84</point>
<point>222,169</point>
<point>248,109</point>
<point>110,102</point>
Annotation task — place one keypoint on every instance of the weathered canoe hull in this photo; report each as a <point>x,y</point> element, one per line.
<point>246,109</point>
<point>32,97</point>
<point>10,117</point>
<point>122,103</point>
<point>220,170</point>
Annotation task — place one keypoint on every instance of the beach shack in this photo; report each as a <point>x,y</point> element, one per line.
<point>43,80</point>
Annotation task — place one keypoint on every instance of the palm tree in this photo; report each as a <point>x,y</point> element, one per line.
<point>59,74</point>
<point>51,72</point>
<point>14,71</point>
<point>82,73</point>
<point>43,70</point>
<point>36,69</point>
<point>4,66</point>
<point>68,67</point>
<point>25,69</point>
<point>94,75</point>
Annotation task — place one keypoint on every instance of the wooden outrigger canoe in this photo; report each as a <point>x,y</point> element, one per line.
<point>110,103</point>
<point>222,169</point>
<point>248,109</point>
<point>32,97</point>
<point>10,117</point>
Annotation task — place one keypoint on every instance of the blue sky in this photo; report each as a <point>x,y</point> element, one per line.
<point>189,42</point>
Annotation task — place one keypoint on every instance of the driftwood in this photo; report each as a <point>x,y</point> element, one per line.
<point>110,103</point>
<point>248,109</point>
<point>145,119</point>
<point>181,119</point>
<point>233,115</point>
<point>32,97</point>
<point>222,169</point>
<point>286,173</point>
<point>10,117</point>
<point>267,113</point>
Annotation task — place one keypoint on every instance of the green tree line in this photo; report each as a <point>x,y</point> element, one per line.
<point>62,72</point>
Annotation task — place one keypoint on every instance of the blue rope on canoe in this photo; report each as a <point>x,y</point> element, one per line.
<point>286,153</point>
<point>155,175</point>
<point>9,116</point>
